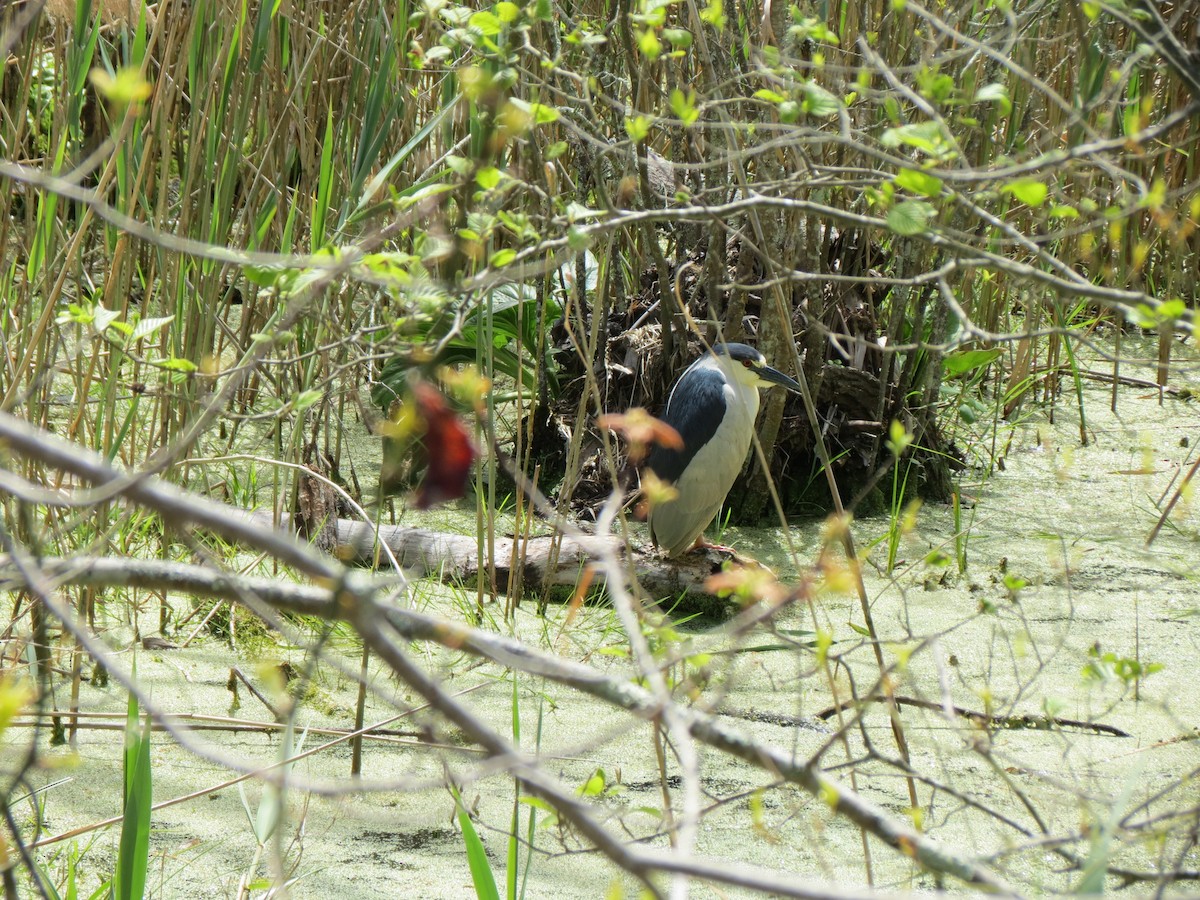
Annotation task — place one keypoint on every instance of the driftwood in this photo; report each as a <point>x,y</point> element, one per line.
<point>532,564</point>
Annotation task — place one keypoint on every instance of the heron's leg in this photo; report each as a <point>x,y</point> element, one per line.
<point>702,544</point>
<point>739,560</point>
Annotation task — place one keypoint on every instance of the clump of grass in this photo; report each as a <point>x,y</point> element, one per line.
<point>133,852</point>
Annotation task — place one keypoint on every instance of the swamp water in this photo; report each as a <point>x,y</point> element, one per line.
<point>1069,521</point>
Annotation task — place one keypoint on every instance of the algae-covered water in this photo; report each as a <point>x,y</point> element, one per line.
<point>1059,599</point>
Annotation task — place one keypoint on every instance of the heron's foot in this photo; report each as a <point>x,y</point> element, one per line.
<point>706,546</point>
<point>738,560</point>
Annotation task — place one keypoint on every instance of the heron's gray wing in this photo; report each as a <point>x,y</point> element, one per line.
<point>695,409</point>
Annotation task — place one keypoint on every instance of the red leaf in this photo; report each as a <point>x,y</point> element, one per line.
<point>447,447</point>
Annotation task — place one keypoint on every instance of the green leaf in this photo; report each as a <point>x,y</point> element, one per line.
<point>543,114</point>
<point>937,559</point>
<point>577,211</point>
<point>924,136</point>
<point>324,185</point>
<point>679,38</point>
<point>486,23</point>
<point>936,86</point>
<point>481,870</point>
<point>594,786</point>
<point>1154,315</point>
<point>769,96</point>
<point>649,45</point>
<point>147,327</point>
<point>519,115</point>
<point>578,240</point>
<point>133,853</point>
<point>684,107</point>
<point>1028,191</point>
<point>714,14</point>
<point>1156,197</point>
<point>15,696</point>
<point>910,218</point>
<point>537,803</point>
<point>995,93</point>
<point>75,315</point>
<point>811,29</point>
<point>502,258</point>
<point>819,102</point>
<point>918,182</point>
<point>262,32</point>
<point>126,87</point>
<point>1015,583</point>
<point>306,399</point>
<point>487,177</point>
<point>637,128</point>
<point>459,165</point>
<point>962,361</point>
<point>177,364</point>
<point>264,276</point>
<point>899,438</point>
<point>102,318</point>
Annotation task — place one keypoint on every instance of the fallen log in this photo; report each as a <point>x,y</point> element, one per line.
<point>533,564</point>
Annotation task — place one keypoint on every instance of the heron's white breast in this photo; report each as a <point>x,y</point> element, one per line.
<point>710,473</point>
<point>717,463</point>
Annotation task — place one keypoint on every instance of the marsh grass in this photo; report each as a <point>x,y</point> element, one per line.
<point>133,854</point>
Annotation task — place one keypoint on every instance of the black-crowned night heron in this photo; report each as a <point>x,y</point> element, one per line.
<point>713,407</point>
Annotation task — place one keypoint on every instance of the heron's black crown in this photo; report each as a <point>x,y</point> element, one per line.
<point>738,352</point>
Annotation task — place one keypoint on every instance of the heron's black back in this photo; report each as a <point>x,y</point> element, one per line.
<point>695,409</point>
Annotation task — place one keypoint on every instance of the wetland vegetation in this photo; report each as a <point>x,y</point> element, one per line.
<point>323,572</point>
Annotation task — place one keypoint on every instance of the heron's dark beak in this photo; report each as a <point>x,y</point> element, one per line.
<point>774,376</point>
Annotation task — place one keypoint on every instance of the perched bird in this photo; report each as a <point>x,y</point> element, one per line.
<point>712,406</point>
